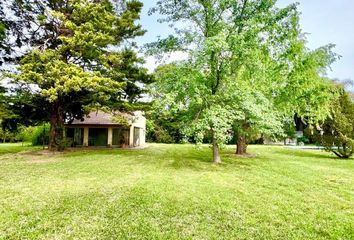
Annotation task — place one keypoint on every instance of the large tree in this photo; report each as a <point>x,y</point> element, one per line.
<point>295,85</point>
<point>240,58</point>
<point>336,134</point>
<point>78,53</point>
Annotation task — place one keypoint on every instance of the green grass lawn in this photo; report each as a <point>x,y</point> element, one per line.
<point>15,147</point>
<point>174,192</point>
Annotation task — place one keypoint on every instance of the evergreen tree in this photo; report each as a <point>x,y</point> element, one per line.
<point>78,54</point>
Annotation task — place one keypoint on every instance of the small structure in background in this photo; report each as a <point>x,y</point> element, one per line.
<point>105,129</point>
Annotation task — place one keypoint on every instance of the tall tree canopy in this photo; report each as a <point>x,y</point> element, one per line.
<point>3,48</point>
<point>77,53</point>
<point>244,58</point>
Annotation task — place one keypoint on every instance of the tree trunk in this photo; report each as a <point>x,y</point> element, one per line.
<point>241,145</point>
<point>216,153</point>
<point>56,132</point>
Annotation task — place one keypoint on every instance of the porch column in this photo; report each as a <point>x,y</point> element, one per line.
<point>142,136</point>
<point>86,137</point>
<point>131,136</point>
<point>110,136</point>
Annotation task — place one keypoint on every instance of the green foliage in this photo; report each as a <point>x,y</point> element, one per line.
<point>2,103</point>
<point>164,126</point>
<point>5,135</point>
<point>247,68</point>
<point>39,135</point>
<point>24,134</point>
<point>4,49</point>
<point>307,94</point>
<point>158,134</point>
<point>2,31</point>
<point>5,113</point>
<point>337,132</point>
<point>120,120</point>
<point>289,129</point>
<point>303,139</point>
<point>78,58</point>
<point>185,92</point>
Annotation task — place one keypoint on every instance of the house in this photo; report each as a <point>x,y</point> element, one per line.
<point>105,129</point>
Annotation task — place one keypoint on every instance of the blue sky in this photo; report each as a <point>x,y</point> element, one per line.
<point>326,21</point>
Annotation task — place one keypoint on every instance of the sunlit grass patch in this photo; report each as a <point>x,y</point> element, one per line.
<point>175,192</point>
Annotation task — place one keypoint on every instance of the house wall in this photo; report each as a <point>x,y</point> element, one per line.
<point>136,121</point>
<point>139,121</point>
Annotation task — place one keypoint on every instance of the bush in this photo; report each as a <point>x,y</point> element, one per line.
<point>303,139</point>
<point>160,134</point>
<point>6,136</point>
<point>24,134</point>
<point>40,134</point>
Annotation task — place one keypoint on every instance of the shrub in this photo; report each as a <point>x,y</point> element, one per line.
<point>337,132</point>
<point>40,135</point>
<point>303,139</point>
<point>159,134</point>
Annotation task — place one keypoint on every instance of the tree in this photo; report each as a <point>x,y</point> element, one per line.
<point>296,87</point>
<point>163,126</point>
<point>77,58</point>
<point>259,120</point>
<point>336,134</point>
<point>3,48</point>
<point>2,103</point>
<point>5,112</point>
<point>184,90</point>
<point>240,58</point>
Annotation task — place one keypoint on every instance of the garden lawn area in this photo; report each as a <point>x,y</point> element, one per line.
<point>175,192</point>
<point>15,147</point>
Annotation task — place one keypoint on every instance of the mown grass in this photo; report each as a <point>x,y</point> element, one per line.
<point>16,147</point>
<point>174,192</point>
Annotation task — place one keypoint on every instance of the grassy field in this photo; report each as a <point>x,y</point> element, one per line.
<point>174,192</point>
<point>6,148</point>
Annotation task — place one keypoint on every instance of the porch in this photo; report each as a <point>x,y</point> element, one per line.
<point>102,129</point>
<point>96,136</point>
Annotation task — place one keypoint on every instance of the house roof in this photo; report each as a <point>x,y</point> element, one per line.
<point>102,118</point>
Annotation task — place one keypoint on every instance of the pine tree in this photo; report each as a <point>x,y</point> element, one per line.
<point>76,57</point>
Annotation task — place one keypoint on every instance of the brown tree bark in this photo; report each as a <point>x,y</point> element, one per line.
<point>241,145</point>
<point>56,132</point>
<point>216,153</point>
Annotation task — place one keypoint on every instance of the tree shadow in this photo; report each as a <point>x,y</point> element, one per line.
<point>192,158</point>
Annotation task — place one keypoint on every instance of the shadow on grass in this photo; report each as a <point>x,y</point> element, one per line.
<point>177,157</point>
